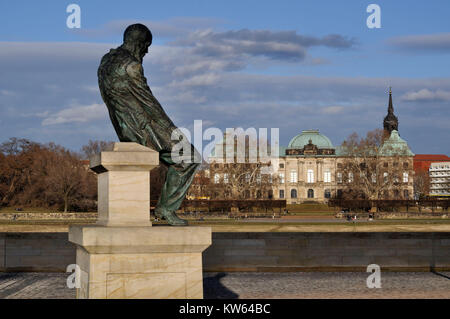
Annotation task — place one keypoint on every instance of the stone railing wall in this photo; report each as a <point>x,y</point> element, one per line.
<point>35,252</point>
<point>257,251</point>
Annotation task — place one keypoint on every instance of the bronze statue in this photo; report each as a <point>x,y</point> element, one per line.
<point>138,117</point>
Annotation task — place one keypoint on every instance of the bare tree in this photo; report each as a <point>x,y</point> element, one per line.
<point>421,184</point>
<point>240,181</point>
<point>95,147</point>
<point>16,171</point>
<point>239,171</point>
<point>67,175</point>
<point>38,175</point>
<point>201,185</point>
<point>366,172</point>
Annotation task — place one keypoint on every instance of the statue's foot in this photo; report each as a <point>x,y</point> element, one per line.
<point>171,217</point>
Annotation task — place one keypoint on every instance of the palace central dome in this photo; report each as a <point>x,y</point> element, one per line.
<point>302,139</point>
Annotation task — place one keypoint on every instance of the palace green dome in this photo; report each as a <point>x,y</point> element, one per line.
<point>320,140</point>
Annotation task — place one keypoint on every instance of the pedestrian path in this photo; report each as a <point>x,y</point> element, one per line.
<point>292,285</point>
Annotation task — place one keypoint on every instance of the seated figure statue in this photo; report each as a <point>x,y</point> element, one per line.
<point>138,117</point>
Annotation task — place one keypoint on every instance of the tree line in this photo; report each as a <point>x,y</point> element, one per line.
<point>47,175</point>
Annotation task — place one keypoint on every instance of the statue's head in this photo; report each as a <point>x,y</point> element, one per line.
<point>137,38</point>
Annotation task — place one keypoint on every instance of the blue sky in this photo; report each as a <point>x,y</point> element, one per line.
<point>290,64</point>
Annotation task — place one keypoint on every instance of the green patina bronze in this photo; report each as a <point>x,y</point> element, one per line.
<point>138,117</point>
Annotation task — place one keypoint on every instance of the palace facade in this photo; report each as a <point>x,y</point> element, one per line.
<point>312,169</point>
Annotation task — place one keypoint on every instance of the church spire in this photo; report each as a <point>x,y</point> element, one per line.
<point>390,122</point>
<point>391,106</point>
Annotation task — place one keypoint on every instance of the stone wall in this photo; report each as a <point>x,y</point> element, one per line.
<point>255,251</point>
<point>35,252</point>
<point>2,252</point>
<point>327,251</point>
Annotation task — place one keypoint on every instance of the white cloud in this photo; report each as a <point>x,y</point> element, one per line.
<point>84,113</point>
<point>427,95</point>
<point>7,93</point>
<point>439,42</point>
<point>207,79</point>
<point>332,110</point>
<point>52,51</point>
<point>178,26</point>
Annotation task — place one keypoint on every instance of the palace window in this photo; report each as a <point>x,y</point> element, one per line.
<point>406,194</point>
<point>281,193</point>
<point>293,193</point>
<point>385,177</point>
<point>405,177</point>
<point>327,177</point>
<point>216,178</point>
<point>310,176</point>
<point>258,178</point>
<point>339,178</point>
<point>293,176</point>
<point>327,193</point>
<point>281,176</point>
<point>225,178</point>
<point>374,178</point>
<point>310,193</point>
<point>350,177</point>
<point>281,165</point>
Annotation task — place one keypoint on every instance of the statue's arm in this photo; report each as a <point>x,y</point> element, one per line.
<point>136,73</point>
<point>141,90</point>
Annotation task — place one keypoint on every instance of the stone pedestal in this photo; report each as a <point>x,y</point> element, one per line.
<point>122,255</point>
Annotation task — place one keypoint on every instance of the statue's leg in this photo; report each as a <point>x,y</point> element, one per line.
<point>178,180</point>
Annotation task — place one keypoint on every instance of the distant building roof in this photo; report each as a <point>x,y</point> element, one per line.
<point>395,145</point>
<point>282,151</point>
<point>422,162</point>
<point>302,139</point>
<point>431,157</point>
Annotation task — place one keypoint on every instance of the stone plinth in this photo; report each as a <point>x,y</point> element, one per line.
<point>124,184</point>
<point>123,256</point>
<point>140,262</point>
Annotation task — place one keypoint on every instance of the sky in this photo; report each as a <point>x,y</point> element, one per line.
<point>292,65</point>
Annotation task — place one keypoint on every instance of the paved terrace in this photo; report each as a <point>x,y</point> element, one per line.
<point>347,285</point>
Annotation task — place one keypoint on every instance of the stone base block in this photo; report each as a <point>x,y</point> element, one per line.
<point>140,262</point>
